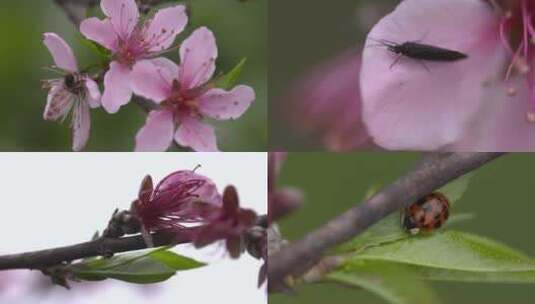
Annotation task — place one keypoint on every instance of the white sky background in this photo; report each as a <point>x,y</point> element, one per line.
<point>57,199</point>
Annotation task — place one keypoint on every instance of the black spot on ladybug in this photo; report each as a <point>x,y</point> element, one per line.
<point>421,201</point>
<point>427,213</point>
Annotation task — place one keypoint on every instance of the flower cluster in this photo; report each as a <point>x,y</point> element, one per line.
<point>183,94</point>
<point>174,202</point>
<point>188,203</point>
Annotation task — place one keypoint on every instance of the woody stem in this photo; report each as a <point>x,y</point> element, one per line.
<point>432,172</point>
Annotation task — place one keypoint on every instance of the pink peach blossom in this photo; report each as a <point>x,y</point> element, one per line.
<point>130,42</point>
<point>190,204</point>
<point>171,204</point>
<point>326,102</point>
<point>76,92</point>
<point>476,104</point>
<point>228,222</point>
<point>186,96</point>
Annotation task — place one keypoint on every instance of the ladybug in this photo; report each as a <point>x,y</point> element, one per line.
<point>428,213</point>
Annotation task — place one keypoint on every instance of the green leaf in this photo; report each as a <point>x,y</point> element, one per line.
<point>142,272</point>
<point>393,283</point>
<point>374,188</point>
<point>455,189</point>
<point>226,82</point>
<point>103,53</point>
<point>389,230</point>
<point>143,267</point>
<point>459,218</point>
<point>453,256</point>
<point>176,261</point>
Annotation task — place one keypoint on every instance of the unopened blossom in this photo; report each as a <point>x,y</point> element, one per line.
<point>74,93</point>
<point>482,103</point>
<point>130,41</point>
<point>228,222</point>
<point>186,96</point>
<point>326,104</point>
<point>189,204</point>
<point>172,203</point>
<point>284,200</point>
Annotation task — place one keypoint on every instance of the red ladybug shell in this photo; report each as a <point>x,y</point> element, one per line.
<point>428,213</point>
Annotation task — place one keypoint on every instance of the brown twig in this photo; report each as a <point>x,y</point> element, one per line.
<point>75,9</point>
<point>102,246</point>
<point>432,172</point>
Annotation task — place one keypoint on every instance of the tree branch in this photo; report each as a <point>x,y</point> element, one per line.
<point>104,246</point>
<point>75,9</point>
<point>50,257</point>
<point>432,172</point>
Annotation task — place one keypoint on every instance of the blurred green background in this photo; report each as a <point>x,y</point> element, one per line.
<point>303,34</point>
<point>500,194</point>
<point>241,31</point>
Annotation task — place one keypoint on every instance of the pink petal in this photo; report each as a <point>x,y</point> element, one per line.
<point>58,103</point>
<point>220,104</point>
<point>153,79</point>
<point>123,15</point>
<point>207,193</point>
<point>196,135</point>
<point>60,51</point>
<point>117,91</point>
<point>157,133</point>
<point>326,102</point>
<point>93,93</point>
<point>410,107</point>
<point>197,55</point>
<point>165,26</point>
<point>501,125</point>
<point>81,125</point>
<point>100,31</point>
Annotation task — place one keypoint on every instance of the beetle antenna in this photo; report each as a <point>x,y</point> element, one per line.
<point>375,45</point>
<point>383,42</point>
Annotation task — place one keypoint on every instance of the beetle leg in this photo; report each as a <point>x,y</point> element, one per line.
<point>424,65</point>
<point>398,58</point>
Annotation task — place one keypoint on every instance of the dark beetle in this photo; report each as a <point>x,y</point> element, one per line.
<point>74,83</point>
<point>422,51</point>
<point>425,52</point>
